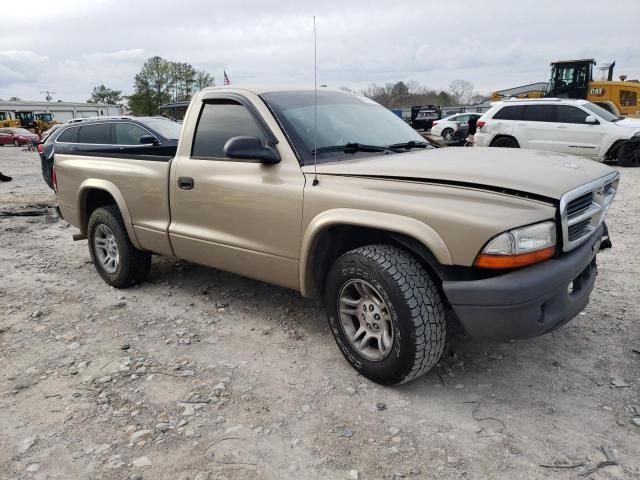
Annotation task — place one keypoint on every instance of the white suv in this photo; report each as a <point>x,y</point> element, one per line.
<point>576,127</point>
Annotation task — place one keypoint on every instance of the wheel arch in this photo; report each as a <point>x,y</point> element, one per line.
<point>95,193</point>
<point>615,146</point>
<point>354,228</point>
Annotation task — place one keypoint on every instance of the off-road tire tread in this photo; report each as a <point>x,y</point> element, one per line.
<point>423,299</point>
<point>135,264</point>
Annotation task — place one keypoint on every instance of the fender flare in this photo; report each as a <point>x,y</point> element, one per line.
<point>97,184</point>
<point>388,222</point>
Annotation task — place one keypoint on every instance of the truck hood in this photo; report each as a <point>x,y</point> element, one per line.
<point>512,171</point>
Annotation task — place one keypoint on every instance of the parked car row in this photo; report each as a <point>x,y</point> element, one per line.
<point>576,127</point>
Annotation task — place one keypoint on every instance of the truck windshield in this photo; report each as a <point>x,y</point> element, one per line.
<point>343,119</point>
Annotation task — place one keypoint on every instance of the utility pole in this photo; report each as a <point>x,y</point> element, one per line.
<point>49,96</point>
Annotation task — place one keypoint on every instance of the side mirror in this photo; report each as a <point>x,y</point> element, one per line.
<point>149,140</point>
<point>250,148</point>
<point>591,120</point>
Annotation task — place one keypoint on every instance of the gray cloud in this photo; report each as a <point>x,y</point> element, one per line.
<point>73,45</point>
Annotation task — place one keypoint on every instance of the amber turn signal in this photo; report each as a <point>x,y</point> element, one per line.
<point>514,261</point>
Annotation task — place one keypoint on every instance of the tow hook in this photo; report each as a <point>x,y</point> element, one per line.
<point>605,241</point>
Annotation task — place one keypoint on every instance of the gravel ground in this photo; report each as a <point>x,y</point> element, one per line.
<point>199,374</point>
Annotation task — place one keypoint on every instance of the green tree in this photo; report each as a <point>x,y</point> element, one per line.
<point>161,81</point>
<point>183,79</point>
<point>152,87</point>
<point>102,94</point>
<point>204,80</point>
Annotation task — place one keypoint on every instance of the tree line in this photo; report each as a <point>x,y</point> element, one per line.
<point>162,81</point>
<point>406,95</point>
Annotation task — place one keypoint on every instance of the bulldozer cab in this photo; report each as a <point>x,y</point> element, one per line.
<point>27,119</point>
<point>6,121</point>
<point>44,117</point>
<point>570,79</point>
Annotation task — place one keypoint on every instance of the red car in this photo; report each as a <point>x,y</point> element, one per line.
<point>17,136</point>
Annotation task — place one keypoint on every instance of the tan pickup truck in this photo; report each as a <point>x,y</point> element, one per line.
<point>333,195</point>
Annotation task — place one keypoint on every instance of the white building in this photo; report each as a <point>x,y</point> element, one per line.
<point>62,111</point>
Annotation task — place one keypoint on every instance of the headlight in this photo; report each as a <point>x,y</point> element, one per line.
<point>519,247</point>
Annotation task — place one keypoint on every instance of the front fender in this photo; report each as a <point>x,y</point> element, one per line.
<point>389,222</point>
<point>98,184</point>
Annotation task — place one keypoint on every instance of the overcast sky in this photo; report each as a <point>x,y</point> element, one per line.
<point>69,46</point>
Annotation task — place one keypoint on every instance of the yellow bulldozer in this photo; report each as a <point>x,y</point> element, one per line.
<point>7,122</point>
<point>574,79</point>
<point>34,122</point>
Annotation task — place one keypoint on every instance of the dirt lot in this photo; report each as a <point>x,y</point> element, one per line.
<point>199,374</point>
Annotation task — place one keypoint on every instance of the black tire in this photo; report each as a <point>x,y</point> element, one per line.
<point>414,306</point>
<point>133,266</point>
<point>505,142</point>
<point>16,143</point>
<point>629,155</point>
<point>447,133</point>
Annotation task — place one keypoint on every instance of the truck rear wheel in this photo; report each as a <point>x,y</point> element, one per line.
<point>117,261</point>
<point>629,155</point>
<point>385,313</point>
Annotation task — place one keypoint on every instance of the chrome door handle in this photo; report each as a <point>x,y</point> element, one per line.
<point>561,126</point>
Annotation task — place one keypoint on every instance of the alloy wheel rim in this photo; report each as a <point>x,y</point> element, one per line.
<point>106,248</point>
<point>365,320</point>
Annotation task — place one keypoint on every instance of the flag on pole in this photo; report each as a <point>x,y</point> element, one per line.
<point>226,78</point>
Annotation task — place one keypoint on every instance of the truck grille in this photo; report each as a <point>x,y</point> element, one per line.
<point>583,210</point>
<point>577,230</point>
<point>580,204</point>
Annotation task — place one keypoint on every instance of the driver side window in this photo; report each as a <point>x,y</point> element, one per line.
<point>219,121</point>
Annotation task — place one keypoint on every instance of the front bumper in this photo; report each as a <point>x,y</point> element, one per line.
<point>530,301</point>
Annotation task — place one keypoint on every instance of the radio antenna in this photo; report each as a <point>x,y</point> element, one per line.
<point>315,104</point>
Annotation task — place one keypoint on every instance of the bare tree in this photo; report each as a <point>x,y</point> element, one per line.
<point>406,95</point>
<point>461,91</point>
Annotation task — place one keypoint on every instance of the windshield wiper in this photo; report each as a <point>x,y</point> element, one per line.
<point>409,145</point>
<point>353,148</point>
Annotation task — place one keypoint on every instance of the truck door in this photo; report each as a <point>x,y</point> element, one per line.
<point>241,216</point>
<point>574,135</point>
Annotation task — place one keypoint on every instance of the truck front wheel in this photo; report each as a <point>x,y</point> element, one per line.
<point>385,313</point>
<point>117,261</point>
